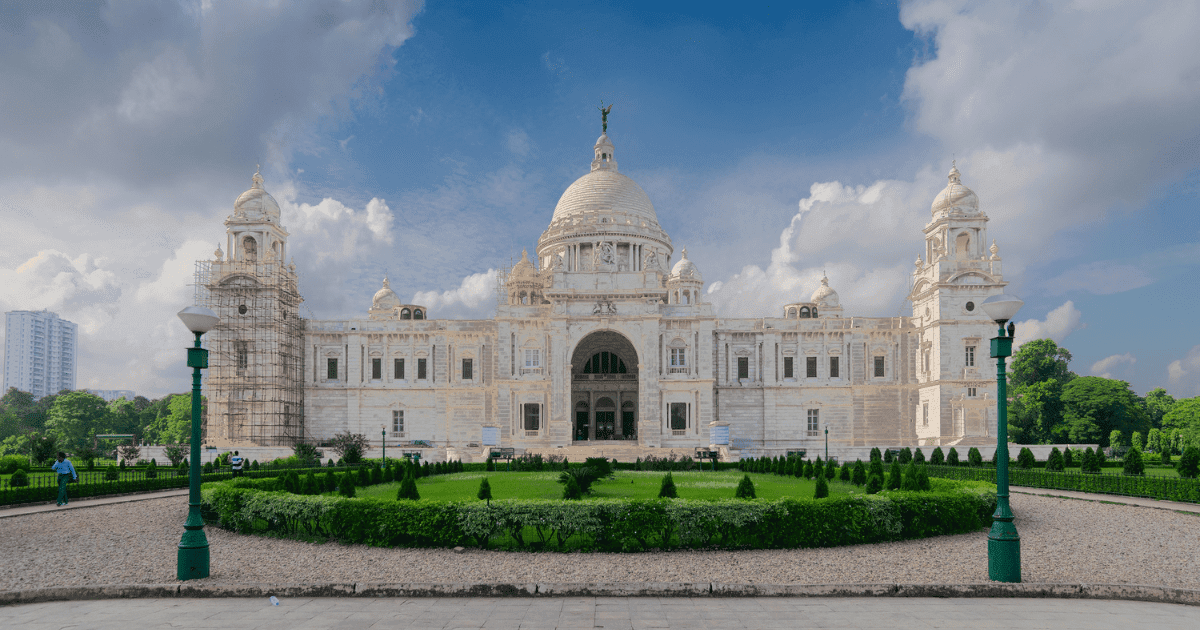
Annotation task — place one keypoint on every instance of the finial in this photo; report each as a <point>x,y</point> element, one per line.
<point>953,176</point>
<point>386,284</point>
<point>604,116</point>
<point>995,250</point>
<point>257,179</point>
<point>919,261</point>
<point>219,254</point>
<point>685,252</point>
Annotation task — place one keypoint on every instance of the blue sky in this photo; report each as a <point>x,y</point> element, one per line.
<point>778,141</point>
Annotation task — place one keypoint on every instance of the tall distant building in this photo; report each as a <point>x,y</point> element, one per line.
<point>39,352</point>
<point>110,395</point>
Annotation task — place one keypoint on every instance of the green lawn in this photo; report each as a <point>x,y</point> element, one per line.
<point>625,484</point>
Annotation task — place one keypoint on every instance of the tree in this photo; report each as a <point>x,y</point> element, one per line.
<point>1035,415</point>
<point>745,489</point>
<point>173,423</point>
<point>1025,459</point>
<point>1154,441</point>
<point>485,491</point>
<point>910,483</point>
<point>1158,403</point>
<point>974,458</point>
<point>905,456</point>
<point>844,475</point>
<point>42,447</point>
<point>1188,465</point>
<point>306,454</point>
<point>875,453</point>
<point>1039,360</point>
<point>1054,462</point>
<point>129,452</point>
<point>571,489</point>
<point>937,458</point>
<point>349,446</point>
<point>175,453</point>
<point>408,490</point>
<point>346,485</point>
<point>88,455</point>
<point>76,417</point>
<point>952,457</point>
<point>819,468</point>
<point>875,468</point>
<point>1116,440</point>
<point>822,489</point>
<point>1106,403</point>
<point>918,456</point>
<point>1184,418</point>
<point>1136,442</point>
<point>667,489</point>
<point>123,417</point>
<point>1133,462</point>
<point>894,476</point>
<point>874,484</point>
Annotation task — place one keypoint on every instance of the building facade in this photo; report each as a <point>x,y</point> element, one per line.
<point>39,352</point>
<point>110,395</point>
<point>603,337</point>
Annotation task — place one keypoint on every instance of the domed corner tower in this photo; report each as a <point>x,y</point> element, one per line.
<point>824,302</point>
<point>958,271</point>
<point>386,305</point>
<point>255,377</point>
<point>685,285</point>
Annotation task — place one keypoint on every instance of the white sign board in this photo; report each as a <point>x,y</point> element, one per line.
<point>718,435</point>
<point>491,436</point>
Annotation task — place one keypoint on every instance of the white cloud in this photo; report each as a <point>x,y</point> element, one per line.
<point>518,142</point>
<point>474,298</point>
<point>1104,367</point>
<point>1184,374</point>
<point>1058,324</point>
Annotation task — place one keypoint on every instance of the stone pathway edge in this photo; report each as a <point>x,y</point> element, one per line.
<point>1131,592</point>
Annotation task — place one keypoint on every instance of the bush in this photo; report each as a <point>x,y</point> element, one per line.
<point>254,465</point>
<point>10,463</point>
<point>1189,463</point>
<point>111,473</point>
<point>152,470</point>
<point>845,474</point>
<point>874,484</point>
<point>331,481</point>
<point>1068,457</point>
<point>819,469</point>
<point>1025,458</point>
<point>1166,457</point>
<point>376,475</point>
<point>923,483</point>
<point>875,468</point>
<point>822,490</point>
<point>875,456</point>
<point>311,485</point>
<point>1133,462</point>
<point>1054,462</point>
<point>937,457</point>
<point>667,489</point>
<point>571,489</point>
<point>918,456</point>
<point>905,456</point>
<point>19,479</point>
<point>330,464</point>
<point>859,476</point>
<point>974,458</point>
<point>809,470</point>
<point>952,457</point>
<point>830,470</point>
<point>408,490</point>
<point>306,454</point>
<point>122,464</point>
<point>887,456</point>
<point>346,485</point>
<point>910,482</point>
<point>1090,463</point>
<point>485,491</point>
<point>745,489</point>
<point>208,466</point>
<point>894,476</point>
<point>490,466</point>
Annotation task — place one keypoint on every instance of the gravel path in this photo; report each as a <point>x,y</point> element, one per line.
<point>1062,541</point>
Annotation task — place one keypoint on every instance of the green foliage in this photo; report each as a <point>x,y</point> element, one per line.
<point>905,455</point>
<point>875,453</point>
<point>172,423</point>
<point>75,417</point>
<point>111,473</point>
<point>1090,462</point>
<point>10,463</point>
<point>1025,458</point>
<point>859,476</point>
<point>1136,442</point>
<point>1165,458</point>
<point>1151,486</point>
<point>329,464</point>
<point>485,491</point>
<point>874,484</point>
<point>887,456</point>
<point>937,457</point>
<point>1116,440</point>
<point>818,468</point>
<point>363,477</point>
<point>1188,465</point>
<point>822,489</point>
<point>918,456</point>
<point>376,474</point>
<point>1133,462</point>
<point>330,481</point>
<point>910,482</point>
<point>1154,441</point>
<point>894,476</point>
<point>830,470</point>
<point>844,475</point>
<point>152,470</point>
<point>667,490</point>
<point>346,485</point>
<point>809,470</point>
<point>1184,421</point>
<point>19,479</point>
<point>306,454</point>
<point>571,489</point>
<point>121,464</point>
<point>490,466</point>
<point>745,489</point>
<point>1157,403</point>
<point>875,468</point>
<point>1037,361</point>
<point>42,447</point>
<point>1035,414</point>
<point>974,458</point>
<point>208,466</point>
<point>311,485</point>
<point>408,489</point>
<point>1068,460</point>
<point>1108,404</point>
<point>952,457</point>
<point>1054,462</point>
<point>349,447</point>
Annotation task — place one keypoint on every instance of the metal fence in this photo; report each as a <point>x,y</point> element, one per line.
<point>1148,486</point>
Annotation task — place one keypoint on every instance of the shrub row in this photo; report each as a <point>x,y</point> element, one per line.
<point>606,524</point>
<point>1153,487</point>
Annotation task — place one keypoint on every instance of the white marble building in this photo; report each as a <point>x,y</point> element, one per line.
<point>603,340</point>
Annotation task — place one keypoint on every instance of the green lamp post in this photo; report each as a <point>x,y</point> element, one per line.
<point>1004,544</point>
<point>827,446</point>
<point>192,561</point>
<point>383,430</point>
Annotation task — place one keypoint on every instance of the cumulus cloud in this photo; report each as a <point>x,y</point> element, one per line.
<point>1105,367</point>
<point>1058,324</point>
<point>474,298</point>
<point>1184,374</point>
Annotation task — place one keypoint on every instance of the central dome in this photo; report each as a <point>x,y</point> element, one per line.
<point>606,194</point>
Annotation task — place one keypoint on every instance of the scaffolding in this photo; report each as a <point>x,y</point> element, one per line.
<point>255,380</point>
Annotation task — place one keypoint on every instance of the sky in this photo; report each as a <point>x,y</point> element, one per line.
<point>430,142</point>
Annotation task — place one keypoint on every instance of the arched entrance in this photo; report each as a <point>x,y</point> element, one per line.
<point>604,388</point>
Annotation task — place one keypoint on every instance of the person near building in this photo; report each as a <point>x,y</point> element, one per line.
<point>66,472</point>
<point>235,463</point>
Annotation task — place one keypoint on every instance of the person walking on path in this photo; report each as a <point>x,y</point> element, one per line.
<point>235,463</point>
<point>66,471</point>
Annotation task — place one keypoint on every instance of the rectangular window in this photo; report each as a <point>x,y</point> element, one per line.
<point>743,367</point>
<point>833,367</point>
<point>331,370</point>
<point>925,415</point>
<point>679,416</point>
<point>243,354</point>
<point>814,422</point>
<point>678,357</point>
<point>971,392</point>
<point>970,356</point>
<point>397,423</point>
<point>787,367</point>
<point>532,416</point>
<point>420,369</point>
<point>533,359</point>
<point>376,369</point>
<point>810,367</point>
<point>879,366</point>
<point>398,368</point>
<point>467,370</point>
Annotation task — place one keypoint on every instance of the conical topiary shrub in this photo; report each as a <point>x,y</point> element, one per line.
<point>667,489</point>
<point>937,457</point>
<point>875,455</point>
<point>346,485</point>
<point>844,475</point>
<point>571,489</point>
<point>408,489</point>
<point>952,457</point>
<point>918,456</point>
<point>859,476</point>
<point>874,484</point>
<point>905,456</point>
<point>331,481</point>
<point>894,476</point>
<point>818,468</point>
<point>910,482</point>
<point>311,486</point>
<point>830,470</point>
<point>485,491</point>
<point>822,489</point>
<point>745,489</point>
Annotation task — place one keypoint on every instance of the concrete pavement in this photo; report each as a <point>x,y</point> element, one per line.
<point>75,504</point>
<point>601,612</point>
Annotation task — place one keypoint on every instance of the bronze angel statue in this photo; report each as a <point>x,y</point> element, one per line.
<point>604,116</point>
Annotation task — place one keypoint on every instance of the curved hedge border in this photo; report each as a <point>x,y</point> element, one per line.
<point>1149,486</point>
<point>606,524</point>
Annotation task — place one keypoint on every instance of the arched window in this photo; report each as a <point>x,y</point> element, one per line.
<point>687,297</point>
<point>405,314</point>
<point>605,363</point>
<point>962,246</point>
<point>417,314</point>
<point>804,312</point>
<point>605,403</point>
<point>523,298</point>
<point>249,249</point>
<point>814,312</point>
<point>791,314</point>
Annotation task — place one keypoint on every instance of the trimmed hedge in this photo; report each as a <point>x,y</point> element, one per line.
<point>607,524</point>
<point>1152,487</point>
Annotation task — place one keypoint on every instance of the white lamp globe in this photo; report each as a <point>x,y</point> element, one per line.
<point>1002,308</point>
<point>198,319</point>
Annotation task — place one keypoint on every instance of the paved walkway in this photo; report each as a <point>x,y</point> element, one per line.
<point>1110,498</point>
<point>603,612</point>
<point>76,504</point>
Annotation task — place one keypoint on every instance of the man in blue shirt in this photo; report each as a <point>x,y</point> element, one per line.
<point>65,471</point>
<point>235,464</point>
